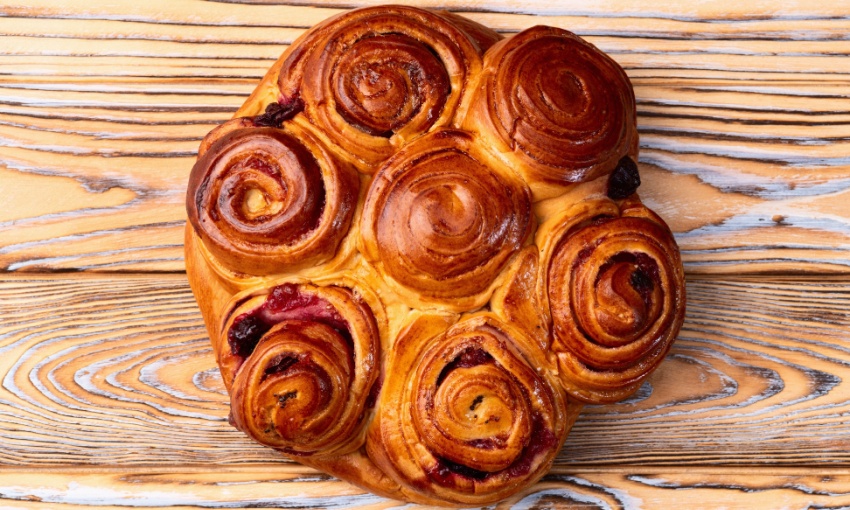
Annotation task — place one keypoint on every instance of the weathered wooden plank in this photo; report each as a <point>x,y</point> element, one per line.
<point>100,371</point>
<point>276,486</point>
<point>108,393</point>
<point>744,119</point>
<point>200,12</point>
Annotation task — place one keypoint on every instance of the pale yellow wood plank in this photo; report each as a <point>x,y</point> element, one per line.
<point>275,486</point>
<point>108,30</point>
<point>101,371</point>
<point>164,10</point>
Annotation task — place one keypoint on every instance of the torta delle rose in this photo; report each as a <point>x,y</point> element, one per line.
<point>419,251</point>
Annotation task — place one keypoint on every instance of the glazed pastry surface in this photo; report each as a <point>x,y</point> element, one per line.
<point>419,251</point>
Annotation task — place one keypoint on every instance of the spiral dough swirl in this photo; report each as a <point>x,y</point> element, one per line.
<point>470,417</point>
<point>442,222</point>
<point>558,104</point>
<point>303,361</point>
<point>264,201</point>
<point>616,292</point>
<point>376,78</point>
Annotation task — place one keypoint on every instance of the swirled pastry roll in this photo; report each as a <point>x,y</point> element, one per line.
<point>375,78</point>
<point>615,287</point>
<point>301,362</point>
<point>266,200</point>
<point>469,413</point>
<point>555,107</point>
<point>441,221</point>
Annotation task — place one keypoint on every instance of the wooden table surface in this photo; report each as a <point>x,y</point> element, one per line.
<point>109,393</point>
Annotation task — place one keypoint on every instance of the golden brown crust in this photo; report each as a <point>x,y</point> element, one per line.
<point>468,413</point>
<point>555,107</point>
<point>375,78</point>
<point>441,222</point>
<point>613,279</point>
<point>518,300</point>
<point>301,361</point>
<point>266,200</point>
<point>357,468</point>
<point>211,292</point>
<point>430,327</point>
<point>482,37</point>
<point>222,130</point>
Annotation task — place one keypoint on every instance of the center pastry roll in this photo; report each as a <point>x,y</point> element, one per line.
<point>441,220</point>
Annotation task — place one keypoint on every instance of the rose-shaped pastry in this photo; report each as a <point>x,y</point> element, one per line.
<point>558,109</point>
<point>419,251</point>
<point>441,221</point>
<point>373,79</point>
<point>468,414</point>
<point>265,200</point>
<point>616,293</point>
<point>300,362</point>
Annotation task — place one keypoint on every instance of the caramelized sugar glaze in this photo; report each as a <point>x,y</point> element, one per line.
<point>419,252</point>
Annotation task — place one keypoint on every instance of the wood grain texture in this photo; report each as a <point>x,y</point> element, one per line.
<point>99,371</point>
<point>744,118</point>
<point>109,396</point>
<point>274,486</point>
